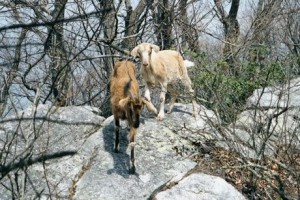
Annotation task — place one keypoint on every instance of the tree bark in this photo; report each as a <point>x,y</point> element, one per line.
<point>60,70</point>
<point>7,82</point>
<point>133,21</point>
<point>189,33</point>
<point>231,31</point>
<point>265,14</point>
<point>110,32</point>
<point>266,11</point>
<point>163,17</point>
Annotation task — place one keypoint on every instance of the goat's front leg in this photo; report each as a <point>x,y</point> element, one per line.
<point>162,99</point>
<point>131,144</point>
<point>147,92</point>
<point>117,134</point>
<point>191,93</point>
<point>194,103</point>
<point>149,106</point>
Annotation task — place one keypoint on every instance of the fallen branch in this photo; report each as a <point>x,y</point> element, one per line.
<point>5,169</point>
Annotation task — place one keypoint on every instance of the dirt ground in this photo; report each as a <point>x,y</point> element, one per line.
<point>256,179</point>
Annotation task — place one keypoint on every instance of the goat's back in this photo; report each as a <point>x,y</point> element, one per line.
<point>173,63</point>
<point>122,80</point>
<point>169,53</point>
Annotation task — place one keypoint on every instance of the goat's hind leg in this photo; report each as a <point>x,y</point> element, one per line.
<point>192,95</point>
<point>172,102</point>
<point>117,134</point>
<point>194,103</point>
<point>162,98</point>
<point>195,112</point>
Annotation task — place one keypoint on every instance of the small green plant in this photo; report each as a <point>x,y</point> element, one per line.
<point>228,93</point>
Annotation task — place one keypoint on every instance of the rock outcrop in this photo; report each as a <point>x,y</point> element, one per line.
<point>270,121</point>
<point>198,186</point>
<point>91,170</point>
<point>95,171</point>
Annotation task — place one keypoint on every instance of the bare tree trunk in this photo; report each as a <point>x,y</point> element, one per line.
<point>265,14</point>
<point>60,70</point>
<point>163,17</point>
<point>231,31</point>
<point>293,30</point>
<point>110,32</point>
<point>133,22</point>
<point>8,81</point>
<point>189,33</point>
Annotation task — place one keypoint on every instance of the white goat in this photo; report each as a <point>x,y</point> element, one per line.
<point>164,68</point>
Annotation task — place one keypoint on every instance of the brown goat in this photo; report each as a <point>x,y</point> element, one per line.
<point>166,69</point>
<point>126,102</point>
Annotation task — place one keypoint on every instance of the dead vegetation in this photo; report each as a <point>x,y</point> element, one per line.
<point>256,179</point>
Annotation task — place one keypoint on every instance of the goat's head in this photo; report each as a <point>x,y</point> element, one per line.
<point>144,51</point>
<point>133,107</point>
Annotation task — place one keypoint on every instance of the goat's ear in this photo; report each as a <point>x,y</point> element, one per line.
<point>124,102</point>
<point>155,48</point>
<point>149,105</point>
<point>134,52</point>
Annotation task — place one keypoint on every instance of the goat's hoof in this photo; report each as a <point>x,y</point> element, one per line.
<point>132,170</point>
<point>160,118</point>
<point>131,144</point>
<point>169,111</point>
<point>195,115</point>
<point>116,150</point>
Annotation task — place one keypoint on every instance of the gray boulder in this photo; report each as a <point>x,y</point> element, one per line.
<point>156,158</point>
<point>269,121</point>
<point>198,186</point>
<point>95,171</point>
<point>40,132</point>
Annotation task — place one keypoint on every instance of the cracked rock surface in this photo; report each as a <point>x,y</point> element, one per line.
<point>96,172</point>
<point>43,131</point>
<point>156,163</point>
<point>199,186</point>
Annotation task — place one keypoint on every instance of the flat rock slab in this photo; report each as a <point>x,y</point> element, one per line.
<point>199,186</point>
<point>48,130</point>
<point>156,163</point>
<point>96,171</point>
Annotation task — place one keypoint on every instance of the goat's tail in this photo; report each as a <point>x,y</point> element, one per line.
<point>188,63</point>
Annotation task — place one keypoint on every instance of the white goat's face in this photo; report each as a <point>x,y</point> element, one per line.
<point>145,56</point>
<point>144,51</point>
